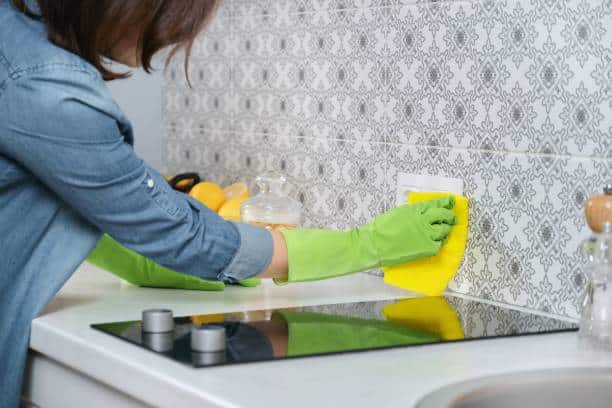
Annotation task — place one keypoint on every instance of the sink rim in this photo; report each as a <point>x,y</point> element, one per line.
<point>453,393</point>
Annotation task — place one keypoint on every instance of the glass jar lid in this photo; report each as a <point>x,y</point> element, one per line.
<point>272,204</point>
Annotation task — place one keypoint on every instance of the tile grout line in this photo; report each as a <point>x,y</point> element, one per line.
<point>350,9</point>
<point>441,148</point>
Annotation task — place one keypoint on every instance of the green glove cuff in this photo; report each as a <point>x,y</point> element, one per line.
<point>141,271</point>
<point>320,254</point>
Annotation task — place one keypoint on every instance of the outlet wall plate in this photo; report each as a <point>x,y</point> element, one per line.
<point>407,182</point>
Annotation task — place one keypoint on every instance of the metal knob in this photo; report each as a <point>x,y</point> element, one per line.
<point>209,338</point>
<point>157,321</point>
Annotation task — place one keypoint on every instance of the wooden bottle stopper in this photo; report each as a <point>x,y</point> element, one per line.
<point>598,210</point>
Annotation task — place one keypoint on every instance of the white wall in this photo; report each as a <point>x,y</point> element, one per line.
<point>140,97</point>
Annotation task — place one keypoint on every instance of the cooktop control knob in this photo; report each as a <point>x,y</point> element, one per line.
<point>208,338</point>
<point>157,321</point>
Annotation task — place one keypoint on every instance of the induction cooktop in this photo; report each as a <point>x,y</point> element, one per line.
<point>261,335</point>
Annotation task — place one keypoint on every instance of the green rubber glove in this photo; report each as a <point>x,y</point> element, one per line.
<point>141,271</point>
<point>403,234</point>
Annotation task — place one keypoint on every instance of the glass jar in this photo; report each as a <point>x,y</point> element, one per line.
<point>271,207</point>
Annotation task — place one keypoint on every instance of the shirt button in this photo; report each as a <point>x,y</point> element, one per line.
<point>150,183</point>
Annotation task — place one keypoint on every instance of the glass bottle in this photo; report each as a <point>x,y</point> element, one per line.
<point>596,316</point>
<point>271,207</point>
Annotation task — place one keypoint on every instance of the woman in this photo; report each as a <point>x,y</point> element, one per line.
<point>68,172</point>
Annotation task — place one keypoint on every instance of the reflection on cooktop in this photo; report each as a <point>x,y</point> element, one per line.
<point>261,335</point>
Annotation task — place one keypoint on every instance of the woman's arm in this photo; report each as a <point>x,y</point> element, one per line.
<point>63,127</point>
<point>278,268</point>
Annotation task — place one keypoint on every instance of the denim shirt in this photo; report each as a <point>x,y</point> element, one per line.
<point>68,172</point>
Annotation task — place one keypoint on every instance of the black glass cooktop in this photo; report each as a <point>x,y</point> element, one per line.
<point>262,335</point>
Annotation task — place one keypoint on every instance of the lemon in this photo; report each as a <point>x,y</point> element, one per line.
<point>236,190</point>
<point>230,210</point>
<point>209,194</point>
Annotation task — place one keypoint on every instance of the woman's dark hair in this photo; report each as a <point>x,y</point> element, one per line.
<point>92,28</point>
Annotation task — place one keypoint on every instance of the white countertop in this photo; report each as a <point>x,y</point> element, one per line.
<point>397,377</point>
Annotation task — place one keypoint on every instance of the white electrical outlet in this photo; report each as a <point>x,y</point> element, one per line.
<point>407,183</point>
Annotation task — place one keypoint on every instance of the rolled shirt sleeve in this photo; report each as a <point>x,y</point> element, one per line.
<point>72,136</point>
<point>254,253</point>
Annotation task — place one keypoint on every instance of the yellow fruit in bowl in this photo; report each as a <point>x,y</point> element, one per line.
<point>209,194</point>
<point>237,191</point>
<point>230,210</point>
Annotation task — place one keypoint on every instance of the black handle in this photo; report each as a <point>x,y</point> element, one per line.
<point>193,177</point>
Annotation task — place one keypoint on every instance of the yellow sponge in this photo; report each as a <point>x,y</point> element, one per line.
<point>430,276</point>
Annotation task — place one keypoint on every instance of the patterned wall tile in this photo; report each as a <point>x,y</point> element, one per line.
<point>512,96</point>
<point>502,75</point>
<point>206,99</point>
<point>225,9</point>
<point>315,75</point>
